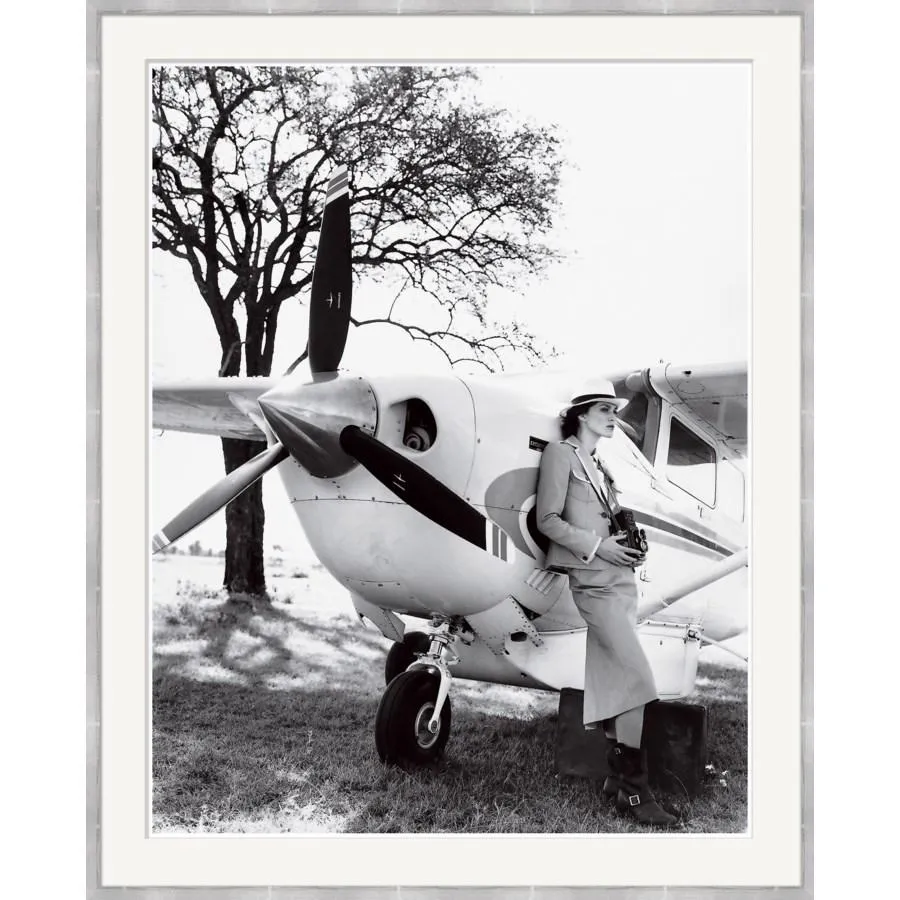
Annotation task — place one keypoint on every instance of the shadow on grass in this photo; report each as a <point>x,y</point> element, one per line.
<point>264,722</point>
<point>236,758</point>
<point>243,640</point>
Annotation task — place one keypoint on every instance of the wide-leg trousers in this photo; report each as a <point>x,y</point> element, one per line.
<point>617,675</point>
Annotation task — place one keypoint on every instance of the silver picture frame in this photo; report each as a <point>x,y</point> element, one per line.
<point>99,11</point>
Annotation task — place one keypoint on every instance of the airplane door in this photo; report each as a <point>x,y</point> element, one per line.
<point>687,461</point>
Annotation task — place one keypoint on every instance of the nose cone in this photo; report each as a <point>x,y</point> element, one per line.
<point>308,420</point>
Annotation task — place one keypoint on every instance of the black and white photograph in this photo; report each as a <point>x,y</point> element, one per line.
<point>449,457</point>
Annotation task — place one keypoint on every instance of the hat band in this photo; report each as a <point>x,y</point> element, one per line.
<point>586,398</point>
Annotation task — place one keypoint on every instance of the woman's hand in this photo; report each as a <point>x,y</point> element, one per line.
<point>612,551</point>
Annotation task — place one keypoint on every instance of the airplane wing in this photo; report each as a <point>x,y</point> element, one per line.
<point>713,395</point>
<point>219,406</point>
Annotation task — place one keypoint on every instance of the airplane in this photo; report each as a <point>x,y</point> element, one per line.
<point>417,494</point>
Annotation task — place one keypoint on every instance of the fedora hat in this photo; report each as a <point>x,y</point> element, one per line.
<point>598,389</point>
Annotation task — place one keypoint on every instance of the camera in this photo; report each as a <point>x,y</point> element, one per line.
<point>635,538</point>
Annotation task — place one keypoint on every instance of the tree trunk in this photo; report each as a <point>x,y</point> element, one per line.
<point>244,523</point>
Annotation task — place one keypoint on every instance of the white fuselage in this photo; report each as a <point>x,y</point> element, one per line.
<point>487,449</point>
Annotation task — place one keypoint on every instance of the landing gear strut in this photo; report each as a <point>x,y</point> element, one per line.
<point>413,719</point>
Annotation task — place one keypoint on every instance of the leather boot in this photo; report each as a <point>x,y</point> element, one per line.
<point>634,796</point>
<point>613,780</point>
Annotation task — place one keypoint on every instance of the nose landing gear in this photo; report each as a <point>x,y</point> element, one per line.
<point>402,732</point>
<point>413,719</point>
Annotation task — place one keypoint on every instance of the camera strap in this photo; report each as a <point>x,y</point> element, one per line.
<point>592,477</point>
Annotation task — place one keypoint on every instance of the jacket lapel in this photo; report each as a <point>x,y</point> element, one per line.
<point>590,469</point>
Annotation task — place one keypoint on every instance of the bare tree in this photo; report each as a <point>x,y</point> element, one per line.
<point>449,197</point>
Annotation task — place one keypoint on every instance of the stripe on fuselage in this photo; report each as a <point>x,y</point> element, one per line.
<point>650,521</point>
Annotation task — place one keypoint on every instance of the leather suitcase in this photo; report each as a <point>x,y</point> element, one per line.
<point>675,737</point>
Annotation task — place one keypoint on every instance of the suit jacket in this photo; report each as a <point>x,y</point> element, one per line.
<point>568,509</point>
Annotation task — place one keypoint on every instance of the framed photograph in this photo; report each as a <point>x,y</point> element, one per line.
<point>391,256</point>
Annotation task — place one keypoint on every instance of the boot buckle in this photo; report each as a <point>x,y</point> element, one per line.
<point>634,800</point>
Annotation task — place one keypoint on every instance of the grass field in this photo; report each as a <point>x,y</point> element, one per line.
<point>263,717</point>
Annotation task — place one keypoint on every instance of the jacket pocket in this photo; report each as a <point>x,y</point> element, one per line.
<point>580,488</point>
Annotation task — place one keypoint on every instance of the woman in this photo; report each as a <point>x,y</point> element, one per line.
<point>575,505</point>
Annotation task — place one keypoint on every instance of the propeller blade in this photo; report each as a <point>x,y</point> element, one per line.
<point>222,492</point>
<point>424,493</point>
<point>329,305</point>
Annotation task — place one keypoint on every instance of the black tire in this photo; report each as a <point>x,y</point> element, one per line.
<point>401,723</point>
<point>403,653</point>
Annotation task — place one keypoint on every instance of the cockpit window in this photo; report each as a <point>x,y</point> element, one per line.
<point>634,419</point>
<point>640,419</point>
<point>691,463</point>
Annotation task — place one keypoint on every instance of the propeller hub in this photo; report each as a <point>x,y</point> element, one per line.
<point>308,420</point>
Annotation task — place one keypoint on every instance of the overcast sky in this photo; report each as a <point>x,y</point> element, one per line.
<point>654,228</point>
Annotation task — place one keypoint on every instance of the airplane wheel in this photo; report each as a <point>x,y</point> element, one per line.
<point>403,653</point>
<point>401,723</point>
